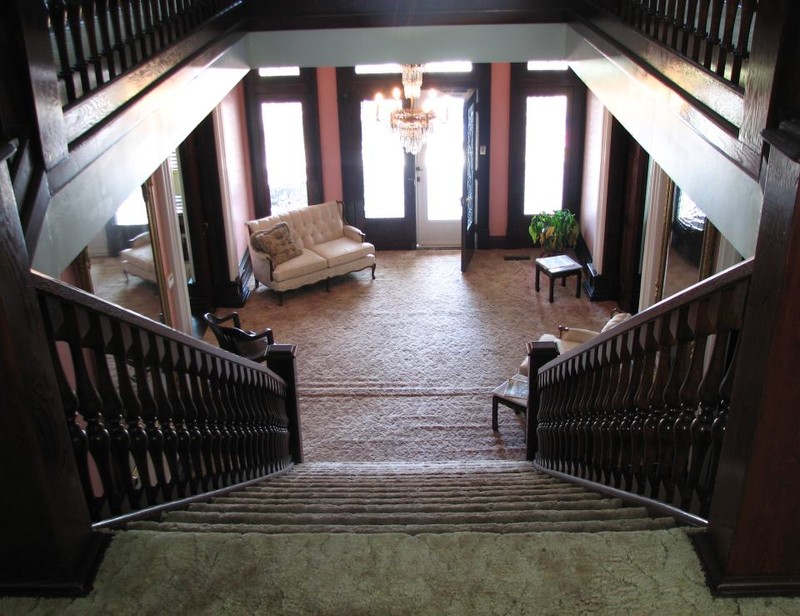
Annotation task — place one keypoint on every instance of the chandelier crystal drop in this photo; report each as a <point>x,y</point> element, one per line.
<point>404,117</point>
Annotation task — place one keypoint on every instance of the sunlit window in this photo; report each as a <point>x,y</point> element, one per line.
<point>279,71</point>
<point>444,161</point>
<point>285,151</point>
<point>457,66</point>
<point>133,210</point>
<point>545,151</point>
<point>383,161</point>
<point>548,65</point>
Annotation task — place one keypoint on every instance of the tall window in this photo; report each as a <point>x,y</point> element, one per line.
<point>546,119</point>
<point>284,135</point>
<point>284,146</point>
<point>383,161</point>
<point>545,151</point>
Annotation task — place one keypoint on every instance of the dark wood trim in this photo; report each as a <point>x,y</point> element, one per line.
<point>48,546</point>
<point>87,113</point>
<point>526,83</point>
<point>312,14</point>
<point>235,293</point>
<point>753,523</point>
<point>301,89</point>
<point>739,586</point>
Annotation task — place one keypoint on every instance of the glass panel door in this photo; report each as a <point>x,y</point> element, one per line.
<point>440,169</point>
<point>383,162</point>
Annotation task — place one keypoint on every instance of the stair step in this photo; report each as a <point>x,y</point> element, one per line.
<point>572,526</point>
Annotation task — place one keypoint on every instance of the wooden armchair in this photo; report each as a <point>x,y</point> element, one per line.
<point>244,343</point>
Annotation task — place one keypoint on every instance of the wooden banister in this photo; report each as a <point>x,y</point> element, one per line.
<point>642,407</point>
<point>156,416</point>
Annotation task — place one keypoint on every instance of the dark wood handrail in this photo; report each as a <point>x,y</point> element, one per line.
<point>642,408</point>
<point>156,416</point>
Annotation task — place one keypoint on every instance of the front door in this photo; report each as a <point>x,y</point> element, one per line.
<point>469,218</point>
<point>440,169</point>
<point>389,217</point>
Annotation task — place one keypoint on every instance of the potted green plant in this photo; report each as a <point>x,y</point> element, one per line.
<point>554,231</point>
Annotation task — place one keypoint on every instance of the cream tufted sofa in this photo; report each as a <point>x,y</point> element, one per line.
<point>330,247</point>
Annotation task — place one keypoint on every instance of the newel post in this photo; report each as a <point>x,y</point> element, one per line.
<point>281,359</point>
<point>45,531</point>
<point>539,354</point>
<point>753,541</point>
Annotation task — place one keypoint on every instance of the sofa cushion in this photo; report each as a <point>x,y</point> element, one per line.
<point>307,263</point>
<point>342,250</point>
<point>277,242</point>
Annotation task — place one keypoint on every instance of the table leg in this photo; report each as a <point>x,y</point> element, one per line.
<point>578,290</point>
<point>551,289</point>
<point>538,271</point>
<point>494,413</point>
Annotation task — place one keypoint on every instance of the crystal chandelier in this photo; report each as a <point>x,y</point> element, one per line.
<point>404,118</point>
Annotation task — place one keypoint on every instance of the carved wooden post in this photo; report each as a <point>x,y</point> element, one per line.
<point>753,542</point>
<point>281,360</point>
<point>46,534</point>
<point>539,354</point>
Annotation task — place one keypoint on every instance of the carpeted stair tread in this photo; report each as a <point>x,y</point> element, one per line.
<point>566,526</point>
<point>406,517</point>
<point>398,500</point>
<point>432,507</point>
<point>409,498</point>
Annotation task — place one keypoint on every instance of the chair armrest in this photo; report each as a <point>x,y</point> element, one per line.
<point>267,333</point>
<point>575,334</point>
<point>354,234</point>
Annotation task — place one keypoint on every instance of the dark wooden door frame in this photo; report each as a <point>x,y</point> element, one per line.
<point>469,215</point>
<point>526,83</point>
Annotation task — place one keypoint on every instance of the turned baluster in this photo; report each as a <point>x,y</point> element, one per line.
<point>669,21</point>
<point>235,421</point>
<point>99,338</point>
<point>95,58</point>
<point>116,9</point>
<point>713,40</point>
<point>726,44</point>
<point>607,419</point>
<point>548,434</point>
<point>234,388</point>
<point>575,429</point>
<point>58,21</point>
<point>140,479</point>
<point>689,26</point>
<point>645,400</point>
<point>195,403</point>
<point>259,412</point>
<point>176,436</point>
<point>164,413</point>
<point>90,404</point>
<point>640,404</point>
<point>658,405</point>
<point>106,51</point>
<point>149,411</point>
<point>629,429</point>
<point>149,19</point>
<point>742,47</point>
<point>190,438</point>
<point>659,20</point>
<point>253,421</point>
<point>542,384</point>
<point>680,25</point>
<point>223,417</point>
<point>701,29</point>
<point>53,322</point>
<point>594,384</point>
<point>75,21</point>
<point>138,29</point>
<point>685,443</point>
<point>597,412</point>
<point>201,363</point>
<point>612,441</point>
<point>565,416</point>
<point>165,24</point>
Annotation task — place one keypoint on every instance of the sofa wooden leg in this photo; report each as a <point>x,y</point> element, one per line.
<point>328,285</point>
<point>280,298</point>
<point>373,271</point>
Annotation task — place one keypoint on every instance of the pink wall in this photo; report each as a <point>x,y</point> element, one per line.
<point>592,171</point>
<point>237,158</point>
<point>329,133</point>
<point>498,149</point>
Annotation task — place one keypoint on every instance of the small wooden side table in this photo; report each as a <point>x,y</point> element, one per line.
<point>562,267</point>
<point>513,393</point>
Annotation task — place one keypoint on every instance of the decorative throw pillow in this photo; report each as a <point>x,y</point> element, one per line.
<point>277,242</point>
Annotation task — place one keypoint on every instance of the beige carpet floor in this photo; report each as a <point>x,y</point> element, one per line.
<point>402,367</point>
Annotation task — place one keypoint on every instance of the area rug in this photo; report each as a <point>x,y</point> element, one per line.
<point>402,367</point>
